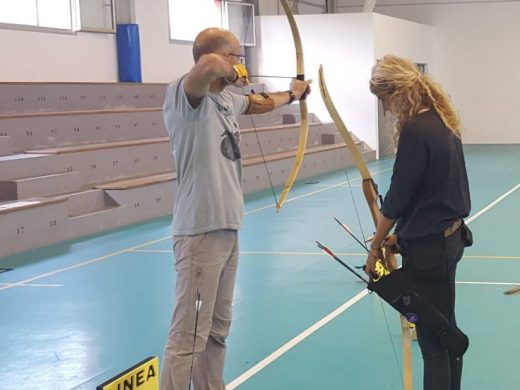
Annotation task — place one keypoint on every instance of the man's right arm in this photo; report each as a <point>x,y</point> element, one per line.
<point>209,68</point>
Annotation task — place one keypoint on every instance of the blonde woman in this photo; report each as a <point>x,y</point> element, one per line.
<point>427,199</point>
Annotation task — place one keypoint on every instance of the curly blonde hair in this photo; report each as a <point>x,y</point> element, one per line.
<point>408,92</point>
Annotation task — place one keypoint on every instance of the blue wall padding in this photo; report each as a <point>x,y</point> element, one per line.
<point>128,53</point>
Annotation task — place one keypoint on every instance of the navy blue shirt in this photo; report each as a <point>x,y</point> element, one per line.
<point>429,188</point>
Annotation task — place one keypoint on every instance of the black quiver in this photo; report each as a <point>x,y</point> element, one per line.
<point>397,289</point>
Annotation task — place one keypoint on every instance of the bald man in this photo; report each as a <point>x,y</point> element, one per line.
<point>200,117</point>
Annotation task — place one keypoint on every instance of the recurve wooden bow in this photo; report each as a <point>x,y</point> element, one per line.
<point>371,195</point>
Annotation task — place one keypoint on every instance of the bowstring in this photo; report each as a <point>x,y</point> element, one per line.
<point>248,25</point>
<point>355,205</point>
<point>396,358</point>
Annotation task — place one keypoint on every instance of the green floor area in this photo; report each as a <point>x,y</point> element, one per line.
<point>75,314</point>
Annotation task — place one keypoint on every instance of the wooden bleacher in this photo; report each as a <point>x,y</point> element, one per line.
<point>36,97</point>
<point>138,182</point>
<point>118,160</point>
<point>25,204</point>
<point>105,145</point>
<point>80,158</point>
<point>29,131</point>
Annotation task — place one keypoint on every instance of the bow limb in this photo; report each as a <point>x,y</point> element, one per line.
<point>304,124</point>
<point>369,186</point>
<point>371,195</point>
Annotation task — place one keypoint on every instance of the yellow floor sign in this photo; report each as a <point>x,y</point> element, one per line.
<point>142,376</point>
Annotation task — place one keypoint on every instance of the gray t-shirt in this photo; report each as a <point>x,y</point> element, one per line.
<point>205,146</point>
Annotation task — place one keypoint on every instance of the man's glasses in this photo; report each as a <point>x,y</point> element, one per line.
<point>241,57</point>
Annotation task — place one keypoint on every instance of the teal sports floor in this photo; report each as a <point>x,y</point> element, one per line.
<point>75,314</point>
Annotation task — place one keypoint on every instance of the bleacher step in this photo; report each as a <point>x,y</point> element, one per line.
<point>26,97</point>
<point>100,163</point>
<point>6,145</point>
<point>21,165</point>
<point>95,221</point>
<point>40,186</point>
<point>88,201</point>
<point>138,181</point>
<point>57,129</point>
<point>31,223</point>
<point>24,204</point>
<point>101,146</point>
<point>273,139</point>
<point>92,213</point>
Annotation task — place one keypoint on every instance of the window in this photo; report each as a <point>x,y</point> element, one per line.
<point>67,15</point>
<point>39,13</point>
<point>54,14</point>
<point>239,18</point>
<point>188,18</point>
<point>97,15</point>
<point>18,12</point>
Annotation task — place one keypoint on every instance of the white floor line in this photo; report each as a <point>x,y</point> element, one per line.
<point>484,257</point>
<point>101,258</point>
<point>30,285</point>
<point>333,186</point>
<point>79,265</point>
<point>89,379</point>
<point>286,347</point>
<point>299,253</point>
<point>336,185</point>
<point>343,183</point>
<point>257,253</point>
<point>490,283</point>
<point>466,257</point>
<point>296,340</point>
<point>492,204</point>
<point>252,371</point>
<point>151,251</point>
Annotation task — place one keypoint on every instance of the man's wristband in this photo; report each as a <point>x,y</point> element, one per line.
<point>292,97</point>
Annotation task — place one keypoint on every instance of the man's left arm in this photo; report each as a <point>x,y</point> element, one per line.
<point>260,103</point>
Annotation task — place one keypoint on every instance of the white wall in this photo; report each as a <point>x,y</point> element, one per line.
<point>476,59</point>
<point>33,56</point>
<point>342,43</point>
<point>347,46</point>
<point>161,60</point>
<point>403,38</point>
<point>37,56</point>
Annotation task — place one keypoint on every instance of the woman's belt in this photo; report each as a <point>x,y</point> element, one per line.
<point>453,228</point>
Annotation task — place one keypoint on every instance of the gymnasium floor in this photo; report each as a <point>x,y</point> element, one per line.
<point>75,314</point>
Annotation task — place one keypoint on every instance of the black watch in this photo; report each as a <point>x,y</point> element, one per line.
<point>292,97</point>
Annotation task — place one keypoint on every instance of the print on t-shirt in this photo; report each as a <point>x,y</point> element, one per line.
<point>229,146</point>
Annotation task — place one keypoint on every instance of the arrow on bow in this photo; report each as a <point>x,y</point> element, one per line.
<point>371,195</point>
